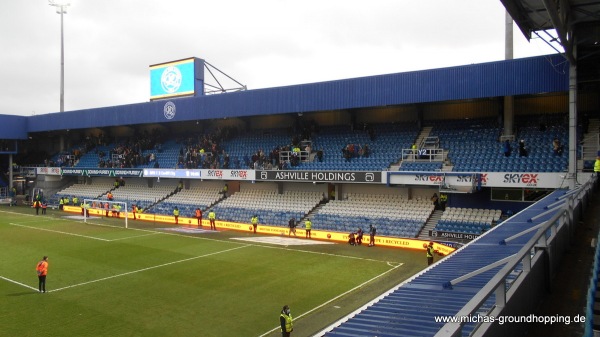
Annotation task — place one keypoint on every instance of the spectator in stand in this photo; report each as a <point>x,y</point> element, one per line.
<point>506,148</point>
<point>435,200</point>
<point>320,155</point>
<point>523,152</point>
<point>366,151</point>
<point>346,153</point>
<point>557,147</point>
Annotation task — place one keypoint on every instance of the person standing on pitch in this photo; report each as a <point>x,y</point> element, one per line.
<point>176,215</point>
<point>292,225</point>
<point>254,221</point>
<point>198,214</point>
<point>372,232</point>
<point>42,271</point>
<point>286,321</point>
<point>308,227</point>
<point>429,253</point>
<point>211,218</point>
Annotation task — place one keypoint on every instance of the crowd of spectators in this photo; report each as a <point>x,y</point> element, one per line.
<point>205,151</point>
<point>70,158</point>
<point>355,150</point>
<point>130,153</point>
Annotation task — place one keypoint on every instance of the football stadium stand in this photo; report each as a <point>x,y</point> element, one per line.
<point>483,279</point>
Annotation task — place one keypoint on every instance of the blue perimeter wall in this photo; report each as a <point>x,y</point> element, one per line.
<point>534,75</point>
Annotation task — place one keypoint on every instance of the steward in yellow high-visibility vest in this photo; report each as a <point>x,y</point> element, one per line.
<point>430,252</point>
<point>286,321</point>
<point>254,222</point>
<point>176,215</point>
<point>308,226</point>
<point>211,218</point>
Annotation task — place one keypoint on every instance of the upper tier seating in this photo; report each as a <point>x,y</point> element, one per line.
<point>474,146</point>
<point>386,147</point>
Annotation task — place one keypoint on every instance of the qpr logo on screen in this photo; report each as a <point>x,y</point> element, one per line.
<point>169,110</point>
<point>170,80</point>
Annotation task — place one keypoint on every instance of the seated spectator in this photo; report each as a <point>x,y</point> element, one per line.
<point>320,155</point>
<point>523,152</point>
<point>366,151</point>
<point>506,149</point>
<point>557,147</point>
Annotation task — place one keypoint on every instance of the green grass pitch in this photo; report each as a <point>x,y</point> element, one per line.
<point>105,280</point>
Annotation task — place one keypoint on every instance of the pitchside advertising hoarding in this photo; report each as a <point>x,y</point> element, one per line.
<point>177,78</point>
<point>273,230</point>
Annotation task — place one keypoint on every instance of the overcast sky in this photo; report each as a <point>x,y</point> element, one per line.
<point>109,44</point>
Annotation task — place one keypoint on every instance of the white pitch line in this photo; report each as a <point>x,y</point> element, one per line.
<point>60,232</point>
<point>134,236</point>
<point>335,298</point>
<point>148,268</point>
<point>36,221</point>
<point>19,283</point>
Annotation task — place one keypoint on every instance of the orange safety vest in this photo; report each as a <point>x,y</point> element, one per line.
<point>198,213</point>
<point>42,268</point>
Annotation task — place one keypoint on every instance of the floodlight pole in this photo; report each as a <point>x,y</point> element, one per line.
<point>61,8</point>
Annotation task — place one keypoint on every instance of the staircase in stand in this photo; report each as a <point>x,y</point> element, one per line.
<point>430,224</point>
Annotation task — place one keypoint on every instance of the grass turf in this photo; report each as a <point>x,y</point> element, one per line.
<point>105,280</point>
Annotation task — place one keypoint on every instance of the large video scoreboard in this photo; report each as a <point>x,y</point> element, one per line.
<point>177,79</point>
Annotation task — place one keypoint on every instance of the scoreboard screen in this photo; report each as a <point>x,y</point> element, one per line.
<point>176,78</point>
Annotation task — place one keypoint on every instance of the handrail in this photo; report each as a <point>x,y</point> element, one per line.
<point>497,284</point>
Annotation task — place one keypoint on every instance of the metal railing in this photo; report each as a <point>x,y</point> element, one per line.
<point>530,254</point>
<point>423,154</point>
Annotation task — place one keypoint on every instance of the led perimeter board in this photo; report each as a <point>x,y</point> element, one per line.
<point>177,78</point>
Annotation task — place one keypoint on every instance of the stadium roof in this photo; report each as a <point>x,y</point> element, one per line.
<point>527,76</point>
<point>577,24</point>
